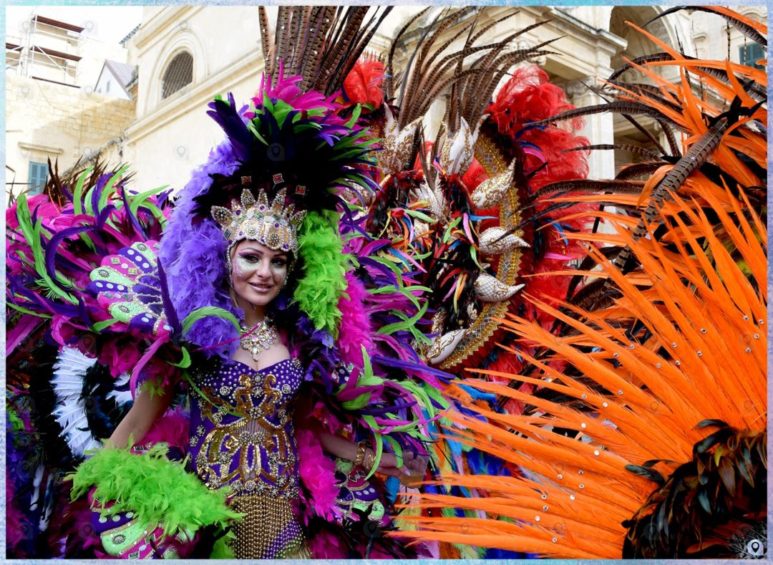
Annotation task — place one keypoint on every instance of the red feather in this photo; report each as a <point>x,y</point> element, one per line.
<point>363,85</point>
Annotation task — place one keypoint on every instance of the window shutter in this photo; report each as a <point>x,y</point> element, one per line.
<point>178,74</point>
<point>38,175</point>
<point>750,53</point>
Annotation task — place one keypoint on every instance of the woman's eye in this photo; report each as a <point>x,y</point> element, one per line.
<point>251,258</point>
<point>280,262</point>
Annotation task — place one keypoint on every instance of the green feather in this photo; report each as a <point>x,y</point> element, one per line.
<point>408,324</point>
<point>322,283</point>
<point>206,311</point>
<point>25,311</point>
<point>78,203</point>
<point>156,490</point>
<point>421,216</point>
<point>16,422</point>
<point>33,236</point>
<point>366,378</point>
<point>223,548</point>
<point>100,326</point>
<point>371,421</point>
<point>185,362</point>
<point>78,194</point>
<point>141,200</point>
<point>396,449</point>
<point>421,395</point>
<point>107,191</point>
<point>355,116</point>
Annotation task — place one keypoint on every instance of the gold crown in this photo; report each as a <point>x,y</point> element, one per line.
<point>274,226</point>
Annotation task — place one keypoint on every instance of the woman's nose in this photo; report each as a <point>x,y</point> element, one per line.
<point>264,268</point>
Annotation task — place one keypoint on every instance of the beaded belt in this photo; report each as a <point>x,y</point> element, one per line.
<point>268,530</point>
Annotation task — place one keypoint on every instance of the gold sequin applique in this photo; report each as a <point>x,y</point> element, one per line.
<point>253,453</point>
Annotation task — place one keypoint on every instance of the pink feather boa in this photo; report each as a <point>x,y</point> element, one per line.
<point>317,473</point>
<point>172,429</point>
<point>356,330</point>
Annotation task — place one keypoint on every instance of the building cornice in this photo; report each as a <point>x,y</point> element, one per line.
<point>152,30</point>
<point>41,148</point>
<point>195,99</point>
<point>599,37</point>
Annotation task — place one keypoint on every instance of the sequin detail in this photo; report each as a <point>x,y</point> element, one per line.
<point>274,225</point>
<point>242,433</point>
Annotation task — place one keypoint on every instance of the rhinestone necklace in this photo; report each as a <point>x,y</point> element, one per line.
<point>258,339</point>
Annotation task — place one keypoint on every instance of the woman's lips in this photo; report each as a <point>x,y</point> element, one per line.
<point>261,287</point>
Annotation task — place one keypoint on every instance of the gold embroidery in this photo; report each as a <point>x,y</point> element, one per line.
<point>262,449</point>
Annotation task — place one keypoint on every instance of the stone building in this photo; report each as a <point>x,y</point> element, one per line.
<point>188,54</point>
<point>52,109</point>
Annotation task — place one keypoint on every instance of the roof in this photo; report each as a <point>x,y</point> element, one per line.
<point>130,35</point>
<point>58,23</point>
<point>123,72</point>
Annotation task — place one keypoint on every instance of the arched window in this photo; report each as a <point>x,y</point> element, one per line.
<point>178,74</point>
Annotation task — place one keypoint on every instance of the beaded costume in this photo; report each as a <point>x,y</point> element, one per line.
<point>242,436</point>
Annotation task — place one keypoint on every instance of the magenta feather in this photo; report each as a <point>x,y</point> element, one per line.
<point>317,474</point>
<point>355,330</point>
<point>146,357</point>
<point>172,429</point>
<point>326,545</point>
<point>19,331</point>
<point>15,521</point>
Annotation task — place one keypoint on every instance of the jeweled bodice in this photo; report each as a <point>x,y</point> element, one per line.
<point>241,427</point>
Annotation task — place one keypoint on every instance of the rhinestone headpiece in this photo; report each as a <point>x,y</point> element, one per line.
<point>274,226</point>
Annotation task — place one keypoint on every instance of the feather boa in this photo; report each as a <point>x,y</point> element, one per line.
<point>356,330</point>
<point>156,490</point>
<point>192,254</point>
<point>317,473</point>
<point>322,283</point>
<point>172,429</point>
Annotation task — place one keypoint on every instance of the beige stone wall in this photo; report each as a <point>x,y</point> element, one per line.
<point>49,120</point>
<point>172,136</point>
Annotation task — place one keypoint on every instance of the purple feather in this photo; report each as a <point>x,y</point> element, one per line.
<point>96,192</point>
<point>228,118</point>
<point>56,241</point>
<point>19,331</point>
<point>132,218</point>
<point>169,309</point>
<point>193,255</point>
<point>416,367</point>
<point>104,215</point>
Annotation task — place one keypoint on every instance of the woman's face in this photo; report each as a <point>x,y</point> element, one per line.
<point>257,273</point>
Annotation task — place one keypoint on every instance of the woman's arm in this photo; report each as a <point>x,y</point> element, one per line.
<point>345,449</point>
<point>147,408</point>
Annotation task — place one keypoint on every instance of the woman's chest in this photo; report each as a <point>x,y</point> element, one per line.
<point>250,393</point>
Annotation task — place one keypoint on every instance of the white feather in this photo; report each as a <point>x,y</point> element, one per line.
<point>70,412</point>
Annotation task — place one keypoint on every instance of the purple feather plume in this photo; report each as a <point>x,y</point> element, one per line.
<point>193,255</point>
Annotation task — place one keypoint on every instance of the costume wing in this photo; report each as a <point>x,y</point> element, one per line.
<point>463,217</point>
<point>86,324</point>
